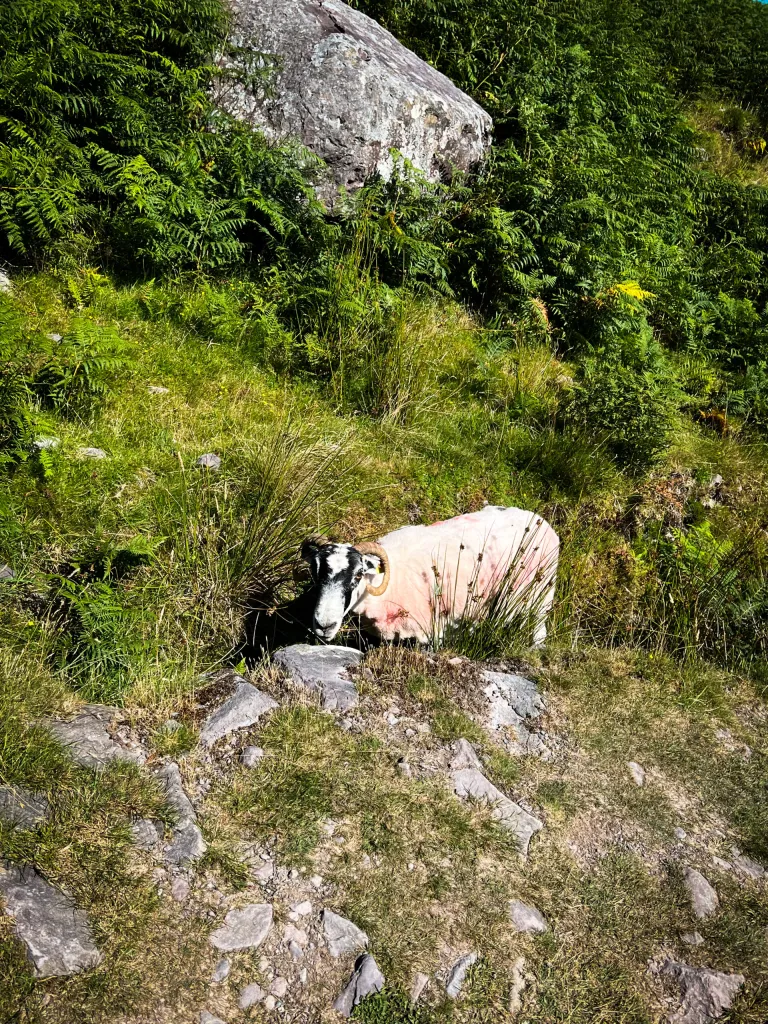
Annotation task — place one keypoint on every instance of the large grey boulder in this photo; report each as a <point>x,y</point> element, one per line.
<point>323,669</point>
<point>21,808</point>
<point>706,994</point>
<point>350,92</point>
<point>87,739</point>
<point>470,784</point>
<point>365,981</point>
<point>54,931</point>
<point>244,707</point>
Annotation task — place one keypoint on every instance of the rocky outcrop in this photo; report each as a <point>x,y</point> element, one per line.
<point>350,92</point>
<point>323,669</point>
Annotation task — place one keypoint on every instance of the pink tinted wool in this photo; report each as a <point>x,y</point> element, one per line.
<point>453,566</point>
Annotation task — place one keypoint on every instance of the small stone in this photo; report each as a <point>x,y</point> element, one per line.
<point>293,874</point>
<point>303,908</point>
<point>453,661</point>
<point>420,982</point>
<point>458,975</point>
<point>464,756</point>
<point>180,889</point>
<point>250,995</point>
<point>410,733</point>
<point>526,918</point>
<point>264,873</point>
<point>637,772</point>
<point>404,768</point>
<point>208,461</point>
<point>251,756</point>
<point>21,808</point>
<point>341,935</point>
<point>680,834</point>
<point>221,973</point>
<point>294,934</point>
<point>316,881</point>
<point>244,707</point>
<point>366,980</point>
<point>91,453</point>
<point>303,975</point>
<point>747,867</point>
<point>692,938</point>
<point>706,994</point>
<point>244,929</point>
<point>269,1003</point>
<point>703,897</point>
<point>279,987</point>
<point>6,574</point>
<point>292,915</point>
<point>157,389</point>
<point>46,443</point>
<point>209,1018</point>
<point>54,337</point>
<point>295,950</point>
<point>54,931</point>
<point>187,844</point>
<point>517,986</point>
<point>469,783</point>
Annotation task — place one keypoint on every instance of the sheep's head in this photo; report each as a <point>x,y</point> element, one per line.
<point>343,574</point>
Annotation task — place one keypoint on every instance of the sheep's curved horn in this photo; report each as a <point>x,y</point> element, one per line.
<point>371,548</point>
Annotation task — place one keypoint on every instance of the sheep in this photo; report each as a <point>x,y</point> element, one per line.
<point>412,583</point>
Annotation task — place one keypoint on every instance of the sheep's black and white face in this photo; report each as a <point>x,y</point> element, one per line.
<point>341,574</point>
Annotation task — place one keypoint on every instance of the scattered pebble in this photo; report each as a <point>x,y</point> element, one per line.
<point>680,834</point>
<point>316,881</point>
<point>703,897</point>
<point>251,756</point>
<point>637,772</point>
<point>458,975</point>
<point>250,995</point>
<point>269,1003</point>
<point>264,873</point>
<point>209,1018</point>
<point>208,461</point>
<point>294,934</point>
<point>303,908</point>
<point>295,950</point>
<point>279,987</point>
<point>303,975</point>
<point>221,973</point>
<point>526,918</point>
<point>180,889</point>
<point>692,938</point>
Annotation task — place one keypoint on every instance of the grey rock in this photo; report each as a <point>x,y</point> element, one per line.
<point>244,929</point>
<point>209,1018</point>
<point>350,92</point>
<point>703,897</point>
<point>264,873</point>
<point>365,981</point>
<point>46,443</point>
<point>322,669</point>
<point>469,783</point>
<point>250,995</point>
<point>180,889</point>
<point>507,692</point>
<point>637,772</point>
<point>680,834</point>
<point>747,867</point>
<point>87,739</point>
<point>243,708</point>
<point>208,461</point>
<point>518,980</point>
<point>223,967</point>
<point>251,756</point>
<point>464,756</point>
<point>279,987</point>
<point>22,808</point>
<point>157,389</point>
<point>54,931</point>
<point>420,982</point>
<point>341,935</point>
<point>693,938</point>
<point>6,574</point>
<point>145,834</point>
<point>458,975</point>
<point>526,918</point>
<point>91,453</point>
<point>270,1003</point>
<point>187,843</point>
<point>54,337</point>
<point>706,994</point>
<point>5,282</point>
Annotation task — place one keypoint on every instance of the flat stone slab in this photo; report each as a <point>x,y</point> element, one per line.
<point>145,834</point>
<point>526,918</point>
<point>515,705</point>
<point>324,670</point>
<point>463,756</point>
<point>187,843</point>
<point>458,975</point>
<point>243,708</point>
<point>706,994</point>
<point>22,808</point>
<point>366,980</point>
<point>703,897</point>
<point>470,784</point>
<point>341,935</point>
<point>87,739</point>
<point>54,931</point>
<point>244,929</point>
<point>91,453</point>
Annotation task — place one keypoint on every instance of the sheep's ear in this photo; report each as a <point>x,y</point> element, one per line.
<point>310,548</point>
<point>372,566</point>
